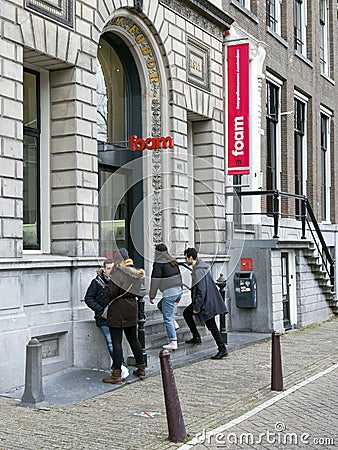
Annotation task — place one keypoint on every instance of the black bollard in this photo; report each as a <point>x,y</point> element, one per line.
<point>33,396</point>
<point>221,283</point>
<point>276,364</point>
<point>141,321</point>
<point>175,420</point>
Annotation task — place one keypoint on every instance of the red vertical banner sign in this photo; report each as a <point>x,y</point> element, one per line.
<point>238,110</point>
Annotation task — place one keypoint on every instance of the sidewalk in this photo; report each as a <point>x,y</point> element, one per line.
<point>212,393</point>
<point>63,388</point>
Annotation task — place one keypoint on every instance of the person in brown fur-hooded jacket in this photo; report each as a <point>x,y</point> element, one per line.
<point>122,290</point>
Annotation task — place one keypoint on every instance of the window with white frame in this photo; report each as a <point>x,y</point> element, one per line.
<point>324,37</point>
<point>325,123</point>
<point>300,148</point>
<point>244,3</point>
<point>273,138</point>
<point>36,184</point>
<point>31,161</point>
<point>273,15</point>
<point>300,23</point>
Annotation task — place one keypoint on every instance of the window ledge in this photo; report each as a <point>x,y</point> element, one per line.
<point>244,10</point>
<point>277,37</point>
<point>244,231</point>
<point>304,59</point>
<point>327,78</point>
<point>43,261</point>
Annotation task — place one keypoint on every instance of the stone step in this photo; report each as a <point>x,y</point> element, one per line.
<point>154,326</point>
<point>159,339</point>
<point>153,313</point>
<point>321,275</point>
<point>323,278</point>
<point>313,260</point>
<point>185,353</point>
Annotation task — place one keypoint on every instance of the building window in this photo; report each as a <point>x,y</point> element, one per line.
<point>300,26</point>
<point>272,118</point>
<point>273,15</point>
<point>244,3</point>
<point>112,96</point>
<point>325,166</point>
<point>299,151</point>
<point>272,139</point>
<point>31,160</point>
<point>324,37</point>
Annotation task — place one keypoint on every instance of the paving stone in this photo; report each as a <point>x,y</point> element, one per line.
<point>211,393</point>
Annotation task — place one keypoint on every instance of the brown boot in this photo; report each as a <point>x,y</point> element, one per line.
<point>140,371</point>
<point>115,377</point>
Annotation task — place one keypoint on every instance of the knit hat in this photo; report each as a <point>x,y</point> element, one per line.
<point>120,255</point>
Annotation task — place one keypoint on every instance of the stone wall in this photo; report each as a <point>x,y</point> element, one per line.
<point>43,297</point>
<point>312,306</point>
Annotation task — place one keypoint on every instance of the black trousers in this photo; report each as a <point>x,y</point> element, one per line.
<point>131,335</point>
<point>210,324</point>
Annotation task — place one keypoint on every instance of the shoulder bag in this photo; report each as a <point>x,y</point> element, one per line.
<point>105,311</point>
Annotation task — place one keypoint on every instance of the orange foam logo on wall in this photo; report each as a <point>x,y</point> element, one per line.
<point>150,143</point>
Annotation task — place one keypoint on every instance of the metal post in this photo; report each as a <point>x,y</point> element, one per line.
<point>175,420</point>
<point>275,214</point>
<point>276,364</point>
<point>303,217</point>
<point>332,276</point>
<point>141,321</point>
<point>33,396</point>
<point>221,283</point>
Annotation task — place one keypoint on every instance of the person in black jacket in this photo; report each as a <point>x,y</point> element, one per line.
<point>206,302</point>
<point>166,276</point>
<point>97,300</point>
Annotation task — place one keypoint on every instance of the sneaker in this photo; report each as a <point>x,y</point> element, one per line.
<point>176,325</point>
<point>220,354</point>
<point>171,346</point>
<point>194,340</point>
<point>124,372</point>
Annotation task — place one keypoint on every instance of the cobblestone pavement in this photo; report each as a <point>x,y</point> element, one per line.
<point>212,393</point>
<point>304,418</point>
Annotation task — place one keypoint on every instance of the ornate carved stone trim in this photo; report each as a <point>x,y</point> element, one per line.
<point>138,5</point>
<point>147,55</point>
<point>201,13</point>
<point>156,172</point>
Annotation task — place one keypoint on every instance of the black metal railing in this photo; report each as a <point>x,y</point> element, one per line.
<point>326,257</point>
<point>303,210</point>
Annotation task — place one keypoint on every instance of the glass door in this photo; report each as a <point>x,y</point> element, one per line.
<point>113,211</point>
<point>286,291</point>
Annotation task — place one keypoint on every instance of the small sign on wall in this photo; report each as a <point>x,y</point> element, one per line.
<point>246,264</point>
<point>198,64</point>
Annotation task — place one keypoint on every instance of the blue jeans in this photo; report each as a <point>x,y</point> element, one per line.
<point>167,305</point>
<point>106,333</point>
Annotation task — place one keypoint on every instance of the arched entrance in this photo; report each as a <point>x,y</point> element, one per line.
<point>119,116</point>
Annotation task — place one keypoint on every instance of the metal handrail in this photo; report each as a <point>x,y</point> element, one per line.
<point>306,208</point>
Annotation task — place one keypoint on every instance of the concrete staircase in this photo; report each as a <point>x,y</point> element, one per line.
<point>321,275</point>
<point>311,254</point>
<point>156,336</point>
